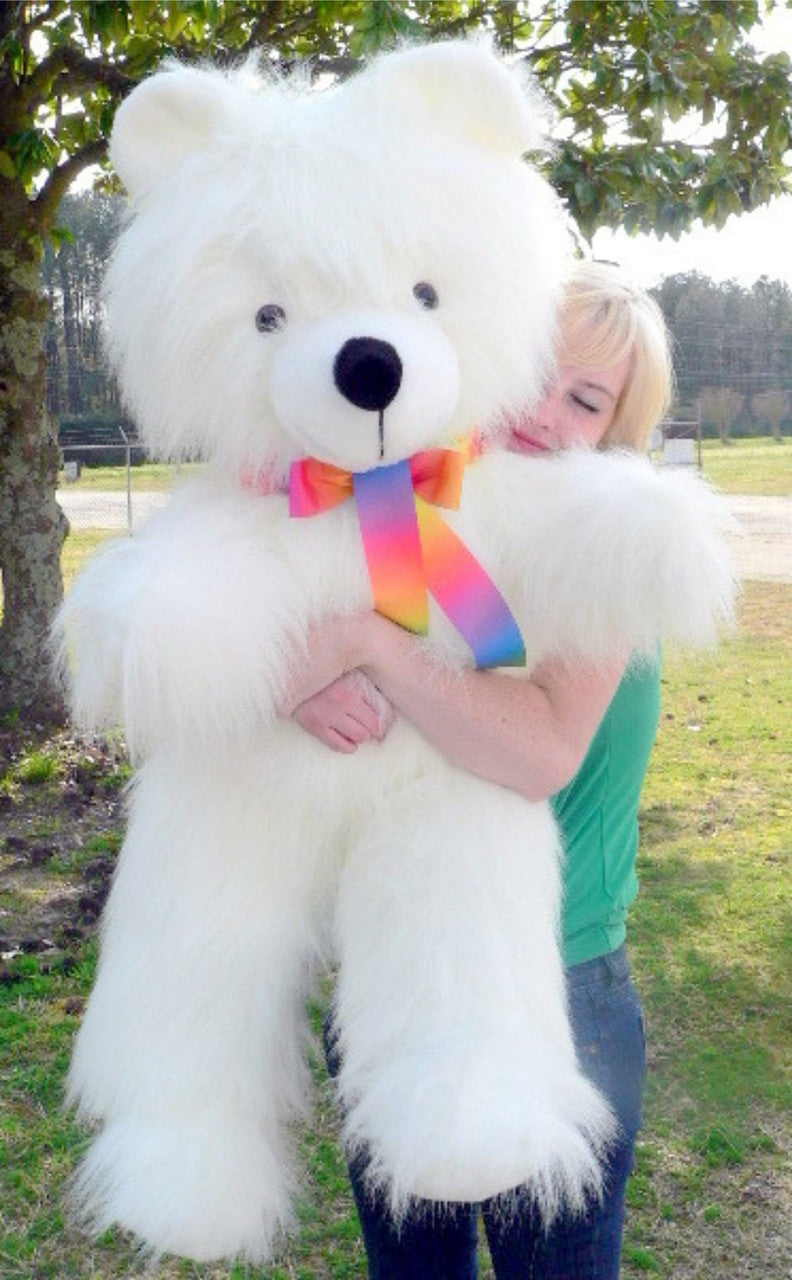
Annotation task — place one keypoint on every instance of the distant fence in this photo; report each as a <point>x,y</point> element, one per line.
<point>112,499</point>
<point>108,507</point>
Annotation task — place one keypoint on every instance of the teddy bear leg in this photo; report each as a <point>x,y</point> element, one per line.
<point>459,1078</point>
<point>191,1056</point>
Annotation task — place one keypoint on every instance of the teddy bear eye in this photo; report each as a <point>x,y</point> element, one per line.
<point>426,295</point>
<point>270,318</point>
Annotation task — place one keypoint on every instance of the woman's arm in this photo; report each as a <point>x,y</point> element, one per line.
<point>529,735</point>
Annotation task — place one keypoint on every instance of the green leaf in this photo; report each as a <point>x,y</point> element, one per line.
<point>60,236</point>
<point>174,22</point>
<point>7,167</point>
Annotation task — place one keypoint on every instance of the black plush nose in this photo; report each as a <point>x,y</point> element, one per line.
<point>368,372</point>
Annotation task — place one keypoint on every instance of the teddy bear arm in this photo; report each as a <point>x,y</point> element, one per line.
<point>177,640</point>
<point>206,661</point>
<point>607,556</point>
<point>89,633</point>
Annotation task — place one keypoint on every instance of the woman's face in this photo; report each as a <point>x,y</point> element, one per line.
<point>577,409</point>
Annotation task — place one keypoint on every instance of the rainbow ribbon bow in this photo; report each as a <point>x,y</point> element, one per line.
<point>411,551</point>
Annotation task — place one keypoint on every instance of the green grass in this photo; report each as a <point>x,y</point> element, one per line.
<point>712,955</point>
<point>36,767</point>
<point>759,466</point>
<point>712,951</point>
<point>79,544</point>
<point>148,477</point>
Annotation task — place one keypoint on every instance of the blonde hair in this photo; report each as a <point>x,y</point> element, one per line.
<point>604,320</point>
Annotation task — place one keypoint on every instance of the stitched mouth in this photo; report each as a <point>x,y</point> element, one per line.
<point>381,434</point>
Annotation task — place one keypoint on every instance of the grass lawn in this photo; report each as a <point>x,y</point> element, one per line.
<point>78,546</point>
<point>151,477</point>
<point>760,466</point>
<point>712,951</point>
<point>712,954</point>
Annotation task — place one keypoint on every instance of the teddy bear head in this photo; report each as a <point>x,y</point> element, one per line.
<point>352,273</point>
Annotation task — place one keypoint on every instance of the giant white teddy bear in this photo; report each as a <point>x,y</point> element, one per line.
<point>359,276</point>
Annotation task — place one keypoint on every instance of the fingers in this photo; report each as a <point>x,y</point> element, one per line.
<point>337,742</point>
<point>374,710</point>
<point>340,717</point>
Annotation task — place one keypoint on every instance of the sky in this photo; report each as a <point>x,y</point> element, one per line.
<point>747,247</point>
<point>755,244</point>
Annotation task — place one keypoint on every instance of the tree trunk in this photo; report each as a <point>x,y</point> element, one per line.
<point>32,525</point>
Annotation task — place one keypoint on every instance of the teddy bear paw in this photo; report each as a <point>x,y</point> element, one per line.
<point>206,1188</point>
<point>482,1129</point>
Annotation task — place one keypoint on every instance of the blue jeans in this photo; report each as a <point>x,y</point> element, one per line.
<point>440,1243</point>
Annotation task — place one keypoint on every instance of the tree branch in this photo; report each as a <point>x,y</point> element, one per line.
<point>83,74</point>
<point>342,66</point>
<point>95,71</point>
<point>265,24</point>
<point>10,17</point>
<point>268,30</point>
<point>452,25</point>
<point>49,197</point>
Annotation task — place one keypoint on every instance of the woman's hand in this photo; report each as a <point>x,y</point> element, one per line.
<point>333,648</point>
<point>346,713</point>
<point>328,696</point>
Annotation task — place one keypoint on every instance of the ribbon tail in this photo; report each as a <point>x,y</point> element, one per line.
<point>391,540</point>
<point>467,594</point>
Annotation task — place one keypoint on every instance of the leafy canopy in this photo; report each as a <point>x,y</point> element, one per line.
<point>667,111</point>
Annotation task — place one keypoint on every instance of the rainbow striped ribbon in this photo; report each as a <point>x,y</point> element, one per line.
<point>411,551</point>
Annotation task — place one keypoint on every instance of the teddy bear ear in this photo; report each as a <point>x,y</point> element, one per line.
<point>463,88</point>
<point>166,118</point>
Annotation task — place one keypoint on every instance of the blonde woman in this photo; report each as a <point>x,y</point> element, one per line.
<point>582,737</point>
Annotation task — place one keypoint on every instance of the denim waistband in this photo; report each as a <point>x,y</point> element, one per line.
<point>604,970</point>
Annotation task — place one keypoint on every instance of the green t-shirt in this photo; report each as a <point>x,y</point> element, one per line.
<point>598,815</point>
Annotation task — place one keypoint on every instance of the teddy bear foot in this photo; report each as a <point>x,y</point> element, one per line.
<point>484,1131</point>
<point>206,1189</point>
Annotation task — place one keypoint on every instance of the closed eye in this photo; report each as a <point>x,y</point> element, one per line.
<point>585,404</point>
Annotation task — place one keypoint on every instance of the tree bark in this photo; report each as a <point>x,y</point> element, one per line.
<point>32,525</point>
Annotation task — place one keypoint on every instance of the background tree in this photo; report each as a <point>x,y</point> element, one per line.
<point>720,406</point>
<point>768,319</point>
<point>773,406</point>
<point>708,322</point>
<point>619,72</point>
<point>78,379</point>
<point>728,336</point>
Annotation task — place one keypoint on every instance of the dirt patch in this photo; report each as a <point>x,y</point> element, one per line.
<point>61,810</point>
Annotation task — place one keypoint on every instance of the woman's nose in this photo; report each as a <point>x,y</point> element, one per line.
<point>543,415</point>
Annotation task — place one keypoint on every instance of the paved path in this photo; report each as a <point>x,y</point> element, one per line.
<point>762,543</point>
<point>107,508</point>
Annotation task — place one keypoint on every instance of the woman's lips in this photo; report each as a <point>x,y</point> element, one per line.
<point>522,442</point>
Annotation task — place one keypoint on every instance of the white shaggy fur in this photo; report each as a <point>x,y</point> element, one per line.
<point>252,851</point>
